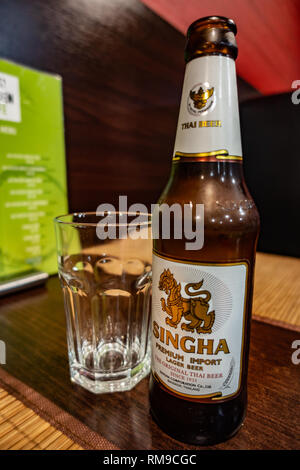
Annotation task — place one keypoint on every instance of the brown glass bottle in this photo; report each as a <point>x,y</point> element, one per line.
<point>207,169</point>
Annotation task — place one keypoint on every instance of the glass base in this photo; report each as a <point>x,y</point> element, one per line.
<point>108,382</point>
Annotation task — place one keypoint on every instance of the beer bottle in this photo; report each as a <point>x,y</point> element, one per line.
<point>202,296</point>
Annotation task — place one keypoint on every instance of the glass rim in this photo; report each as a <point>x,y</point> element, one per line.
<point>59,219</point>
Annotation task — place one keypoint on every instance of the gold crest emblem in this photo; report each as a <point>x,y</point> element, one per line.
<point>200,98</point>
<point>194,310</point>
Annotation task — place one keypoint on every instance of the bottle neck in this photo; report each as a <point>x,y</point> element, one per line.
<point>226,172</point>
<point>208,126</point>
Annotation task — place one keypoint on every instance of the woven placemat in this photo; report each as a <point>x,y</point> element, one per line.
<point>27,415</point>
<point>276,297</point>
<point>22,429</point>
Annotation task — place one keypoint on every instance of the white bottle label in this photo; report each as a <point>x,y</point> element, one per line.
<point>198,320</point>
<point>209,115</point>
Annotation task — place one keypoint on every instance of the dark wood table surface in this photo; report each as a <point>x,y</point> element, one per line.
<point>32,324</point>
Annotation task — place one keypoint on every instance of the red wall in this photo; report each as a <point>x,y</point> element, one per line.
<point>268,35</point>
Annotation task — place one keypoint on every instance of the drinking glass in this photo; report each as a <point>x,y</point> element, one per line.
<point>106,286</point>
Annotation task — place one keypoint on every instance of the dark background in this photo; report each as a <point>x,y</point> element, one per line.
<point>122,68</point>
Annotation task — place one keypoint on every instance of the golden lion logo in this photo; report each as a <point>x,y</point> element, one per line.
<point>193,310</point>
<point>200,98</point>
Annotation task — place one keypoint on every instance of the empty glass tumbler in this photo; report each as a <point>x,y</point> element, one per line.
<point>105,273</point>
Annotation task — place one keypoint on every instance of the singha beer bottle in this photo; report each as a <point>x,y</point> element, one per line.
<point>202,297</point>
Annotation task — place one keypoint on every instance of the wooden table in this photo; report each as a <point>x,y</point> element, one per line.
<point>32,324</point>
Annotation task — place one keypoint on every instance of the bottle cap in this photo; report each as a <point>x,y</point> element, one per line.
<point>211,35</point>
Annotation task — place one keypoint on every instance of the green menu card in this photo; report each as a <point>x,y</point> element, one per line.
<point>32,168</point>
